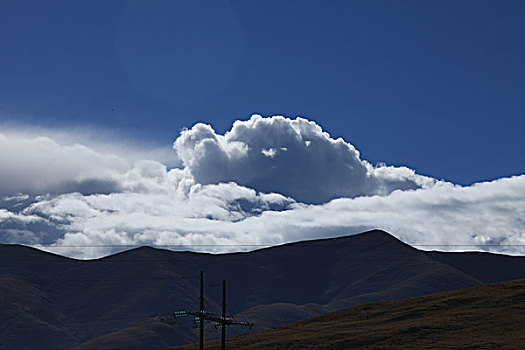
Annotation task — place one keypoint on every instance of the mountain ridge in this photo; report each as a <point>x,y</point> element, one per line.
<point>268,286</point>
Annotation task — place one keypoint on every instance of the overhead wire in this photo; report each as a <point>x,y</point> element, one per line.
<point>236,245</point>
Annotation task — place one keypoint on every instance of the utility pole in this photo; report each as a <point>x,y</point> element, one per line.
<point>223,324</point>
<point>203,315</point>
<point>201,319</point>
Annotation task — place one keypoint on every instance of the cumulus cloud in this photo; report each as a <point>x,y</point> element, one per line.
<point>294,157</point>
<point>267,181</point>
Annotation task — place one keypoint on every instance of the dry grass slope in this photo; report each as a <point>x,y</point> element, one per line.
<point>491,316</point>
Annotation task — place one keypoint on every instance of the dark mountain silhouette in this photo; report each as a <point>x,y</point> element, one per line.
<point>491,316</point>
<point>49,301</point>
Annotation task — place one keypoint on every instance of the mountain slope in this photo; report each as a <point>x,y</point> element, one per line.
<point>49,299</point>
<point>484,317</point>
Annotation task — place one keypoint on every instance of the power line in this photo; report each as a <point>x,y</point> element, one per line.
<point>138,245</point>
<point>467,245</point>
<point>238,245</point>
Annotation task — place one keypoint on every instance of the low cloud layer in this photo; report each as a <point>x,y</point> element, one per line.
<point>267,181</point>
<point>41,165</point>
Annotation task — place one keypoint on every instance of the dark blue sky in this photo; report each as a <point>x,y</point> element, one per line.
<point>438,86</point>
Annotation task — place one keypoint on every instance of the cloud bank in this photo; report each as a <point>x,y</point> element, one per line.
<point>41,165</point>
<point>266,181</point>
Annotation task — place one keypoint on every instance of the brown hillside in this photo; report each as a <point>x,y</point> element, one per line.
<point>491,316</point>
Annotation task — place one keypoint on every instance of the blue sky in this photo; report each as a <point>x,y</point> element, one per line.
<point>438,86</point>
<point>128,123</point>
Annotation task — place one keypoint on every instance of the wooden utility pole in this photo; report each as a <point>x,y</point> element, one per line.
<point>202,315</point>
<point>223,324</point>
<point>201,319</point>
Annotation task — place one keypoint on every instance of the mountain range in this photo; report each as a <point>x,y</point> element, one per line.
<point>126,300</point>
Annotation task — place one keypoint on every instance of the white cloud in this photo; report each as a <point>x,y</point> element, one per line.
<point>6,215</point>
<point>227,214</point>
<point>270,152</point>
<point>16,197</point>
<point>99,140</point>
<point>294,157</point>
<point>158,206</point>
<point>41,165</point>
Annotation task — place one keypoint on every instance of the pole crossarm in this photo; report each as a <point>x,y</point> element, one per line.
<point>202,315</point>
<point>212,317</point>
